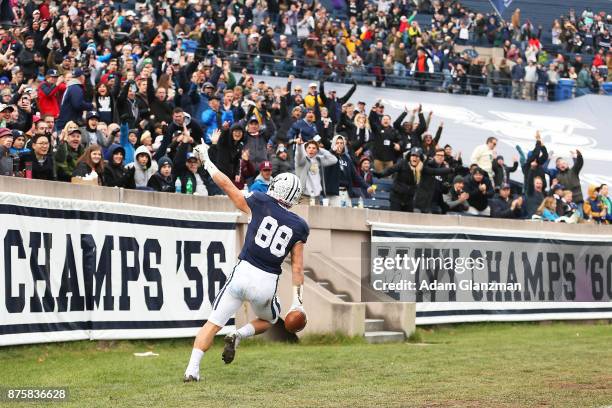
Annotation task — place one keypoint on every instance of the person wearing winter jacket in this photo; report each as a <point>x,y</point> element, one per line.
<point>49,92</point>
<point>281,162</point>
<point>187,168</point>
<point>503,206</point>
<point>144,167</point>
<point>430,190</point>
<point>132,104</point>
<point>124,140</point>
<point>231,157</point>
<point>182,121</point>
<point>410,132</point>
<point>159,104</point>
<point>570,176</point>
<point>408,172</point>
<point>456,200</point>
<point>91,161</point>
<point>214,118</point>
<point>73,102</point>
<point>594,208</point>
<point>90,133</point>
<point>6,159</point>
<point>479,187</point>
<point>115,172</point>
<point>385,142</point>
<point>305,128</point>
<point>263,180</point>
<point>310,164</point>
<point>334,103</point>
<point>502,172</point>
<point>163,181</point>
<point>40,158</point>
<point>68,152</point>
<point>339,177</point>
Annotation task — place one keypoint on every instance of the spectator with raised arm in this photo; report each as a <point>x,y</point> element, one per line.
<point>570,176</point>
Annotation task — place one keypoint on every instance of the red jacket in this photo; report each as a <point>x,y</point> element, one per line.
<point>49,98</point>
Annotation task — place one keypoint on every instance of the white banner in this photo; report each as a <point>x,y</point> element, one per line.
<point>460,274</point>
<point>77,270</point>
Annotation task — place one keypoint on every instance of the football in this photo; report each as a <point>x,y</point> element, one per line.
<point>295,321</point>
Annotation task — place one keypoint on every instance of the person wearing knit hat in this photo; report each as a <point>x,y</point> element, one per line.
<point>281,162</point>
<point>6,160</point>
<point>456,198</point>
<point>480,190</point>
<point>163,181</point>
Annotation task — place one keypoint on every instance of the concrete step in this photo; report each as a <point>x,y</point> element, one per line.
<point>324,284</point>
<point>372,325</point>
<point>343,297</point>
<point>376,337</point>
<point>309,273</point>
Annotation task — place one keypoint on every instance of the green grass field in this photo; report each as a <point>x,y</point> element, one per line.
<point>480,365</point>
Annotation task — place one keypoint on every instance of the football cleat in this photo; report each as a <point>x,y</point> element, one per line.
<point>229,351</point>
<point>190,378</point>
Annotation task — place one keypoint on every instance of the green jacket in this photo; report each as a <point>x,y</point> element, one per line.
<point>65,160</point>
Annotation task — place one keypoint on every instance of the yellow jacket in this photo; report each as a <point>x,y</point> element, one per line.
<point>309,101</point>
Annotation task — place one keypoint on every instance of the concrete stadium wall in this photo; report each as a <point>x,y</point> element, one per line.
<point>333,251</point>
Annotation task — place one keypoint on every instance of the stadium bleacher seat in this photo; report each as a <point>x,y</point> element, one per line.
<point>382,195</point>
<point>376,204</point>
<point>542,12</point>
<point>382,184</point>
<point>363,78</point>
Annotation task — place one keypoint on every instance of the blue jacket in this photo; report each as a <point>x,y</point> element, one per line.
<point>125,143</point>
<point>209,120</point>
<point>518,72</point>
<point>73,105</point>
<point>259,185</point>
<point>301,127</point>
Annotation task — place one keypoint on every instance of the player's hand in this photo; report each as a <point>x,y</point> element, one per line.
<point>298,307</point>
<point>201,152</point>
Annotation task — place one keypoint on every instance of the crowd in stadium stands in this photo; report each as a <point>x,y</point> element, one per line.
<point>97,94</point>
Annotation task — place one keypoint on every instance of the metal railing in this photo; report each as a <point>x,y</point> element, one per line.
<point>445,82</point>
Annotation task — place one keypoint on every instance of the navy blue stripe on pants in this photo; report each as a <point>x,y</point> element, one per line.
<point>218,298</point>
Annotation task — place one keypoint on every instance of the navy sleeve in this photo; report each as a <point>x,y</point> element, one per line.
<point>254,200</point>
<point>305,231</point>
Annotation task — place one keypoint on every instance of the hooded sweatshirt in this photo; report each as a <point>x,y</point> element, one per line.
<point>117,175</point>
<point>142,174</point>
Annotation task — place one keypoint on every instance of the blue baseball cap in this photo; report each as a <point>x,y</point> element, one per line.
<point>191,155</point>
<point>4,80</point>
<point>77,72</point>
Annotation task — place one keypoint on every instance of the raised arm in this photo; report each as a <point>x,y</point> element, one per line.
<point>222,180</point>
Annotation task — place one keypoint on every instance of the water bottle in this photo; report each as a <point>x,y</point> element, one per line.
<point>245,190</point>
<point>15,165</point>
<point>360,202</point>
<point>189,186</point>
<point>178,186</point>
